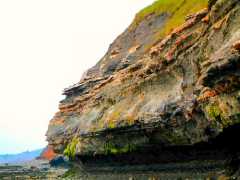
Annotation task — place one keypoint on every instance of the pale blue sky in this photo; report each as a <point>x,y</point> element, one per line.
<point>45,46</point>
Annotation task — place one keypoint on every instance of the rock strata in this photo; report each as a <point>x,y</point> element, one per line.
<point>157,87</point>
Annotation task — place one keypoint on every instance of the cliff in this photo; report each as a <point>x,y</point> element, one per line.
<point>171,79</point>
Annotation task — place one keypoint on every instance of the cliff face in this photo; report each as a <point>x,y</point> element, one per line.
<point>171,79</point>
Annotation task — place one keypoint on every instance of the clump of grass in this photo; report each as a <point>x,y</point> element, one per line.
<point>176,9</point>
<point>158,7</point>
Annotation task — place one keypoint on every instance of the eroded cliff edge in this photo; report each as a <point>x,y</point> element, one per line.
<point>171,79</point>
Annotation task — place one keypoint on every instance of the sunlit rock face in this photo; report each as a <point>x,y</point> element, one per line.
<point>164,82</point>
<point>48,154</point>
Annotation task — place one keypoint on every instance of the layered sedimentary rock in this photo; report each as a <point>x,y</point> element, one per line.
<point>171,79</point>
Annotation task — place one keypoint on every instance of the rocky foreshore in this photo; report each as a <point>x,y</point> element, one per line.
<point>103,170</point>
<point>37,169</point>
<point>170,171</point>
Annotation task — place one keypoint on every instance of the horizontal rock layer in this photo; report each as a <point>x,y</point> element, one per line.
<point>179,88</point>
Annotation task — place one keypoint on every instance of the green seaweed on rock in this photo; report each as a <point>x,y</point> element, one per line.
<point>216,114</point>
<point>111,148</point>
<point>70,150</point>
<point>213,111</point>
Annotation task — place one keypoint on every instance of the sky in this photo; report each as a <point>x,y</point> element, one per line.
<point>45,46</point>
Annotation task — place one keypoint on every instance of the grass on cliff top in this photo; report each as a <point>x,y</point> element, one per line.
<point>177,9</point>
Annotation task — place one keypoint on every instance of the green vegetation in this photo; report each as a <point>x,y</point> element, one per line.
<point>113,119</point>
<point>111,124</point>
<point>215,113</point>
<point>71,173</point>
<point>70,150</point>
<point>110,148</point>
<point>177,9</point>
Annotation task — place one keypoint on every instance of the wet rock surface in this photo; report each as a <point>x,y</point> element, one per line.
<point>37,169</point>
<point>191,170</point>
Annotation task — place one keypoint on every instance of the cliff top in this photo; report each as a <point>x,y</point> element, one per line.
<point>177,9</point>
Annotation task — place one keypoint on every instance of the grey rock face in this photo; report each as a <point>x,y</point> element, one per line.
<point>172,93</point>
